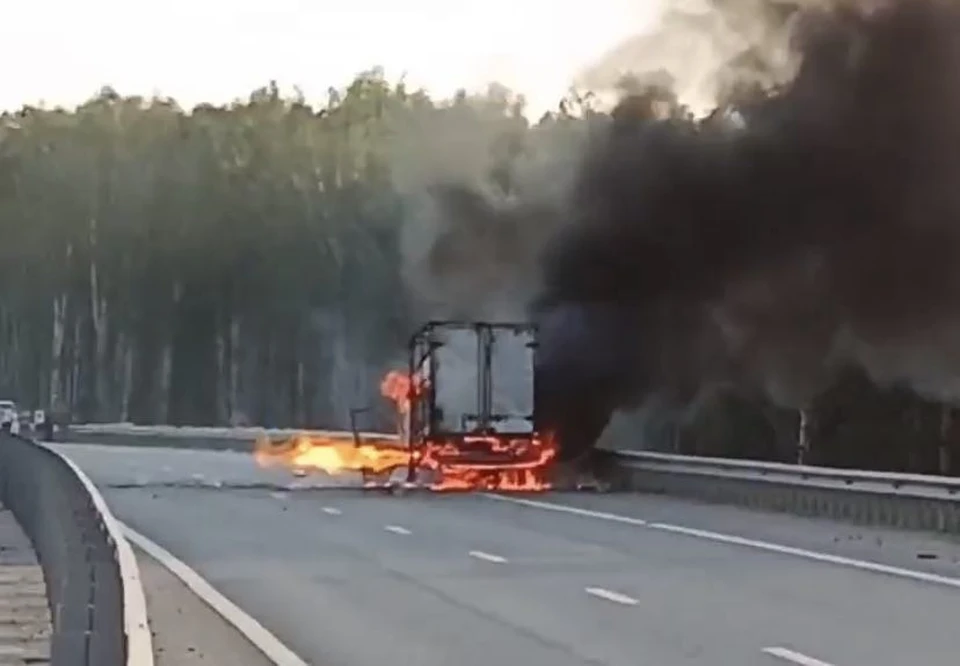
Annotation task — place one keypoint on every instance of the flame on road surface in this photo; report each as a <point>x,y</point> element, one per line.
<point>332,454</point>
<point>470,462</point>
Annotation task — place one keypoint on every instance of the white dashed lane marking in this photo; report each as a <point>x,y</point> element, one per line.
<point>396,529</point>
<point>610,595</point>
<point>331,510</point>
<point>487,557</point>
<point>793,657</point>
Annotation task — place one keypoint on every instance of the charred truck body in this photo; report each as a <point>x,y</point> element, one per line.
<point>478,416</point>
<point>470,415</point>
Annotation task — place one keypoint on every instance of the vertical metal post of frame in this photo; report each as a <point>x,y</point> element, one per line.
<point>534,346</point>
<point>412,405</point>
<point>484,376</point>
<point>481,380</point>
<point>430,387</point>
<point>354,426</point>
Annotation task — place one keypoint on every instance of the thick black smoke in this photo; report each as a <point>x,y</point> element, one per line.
<point>822,229</point>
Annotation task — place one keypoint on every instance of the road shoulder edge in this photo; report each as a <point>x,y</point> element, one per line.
<point>250,628</point>
<point>135,620</point>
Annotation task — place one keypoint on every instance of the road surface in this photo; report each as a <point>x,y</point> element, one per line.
<point>346,579</point>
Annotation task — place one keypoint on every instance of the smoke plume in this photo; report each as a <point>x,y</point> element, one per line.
<point>808,224</point>
<point>822,230</point>
<point>706,48</point>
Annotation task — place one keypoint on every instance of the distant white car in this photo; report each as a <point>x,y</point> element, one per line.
<point>9,416</point>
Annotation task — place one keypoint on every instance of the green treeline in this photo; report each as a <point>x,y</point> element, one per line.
<point>224,264</point>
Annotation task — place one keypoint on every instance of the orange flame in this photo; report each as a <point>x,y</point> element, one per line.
<point>396,386</point>
<point>491,463</point>
<point>471,462</point>
<point>332,454</point>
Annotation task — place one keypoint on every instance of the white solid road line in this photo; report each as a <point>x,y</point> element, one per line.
<point>610,595</point>
<point>332,511</point>
<point>396,529</point>
<point>487,557</point>
<point>266,642</point>
<point>136,623</point>
<point>563,508</point>
<point>794,657</point>
<point>863,565</point>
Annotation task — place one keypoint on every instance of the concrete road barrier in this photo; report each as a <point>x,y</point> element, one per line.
<point>92,581</point>
<point>194,437</point>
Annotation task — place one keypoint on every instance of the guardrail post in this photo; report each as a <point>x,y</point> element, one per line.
<point>107,645</point>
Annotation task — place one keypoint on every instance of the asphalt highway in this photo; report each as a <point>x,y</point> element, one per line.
<point>346,579</point>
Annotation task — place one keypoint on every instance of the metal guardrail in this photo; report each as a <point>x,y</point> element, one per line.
<point>230,439</point>
<point>910,501</point>
<point>82,553</point>
<point>918,486</point>
<point>906,501</point>
<point>202,431</point>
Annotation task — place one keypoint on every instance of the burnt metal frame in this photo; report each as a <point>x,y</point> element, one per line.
<point>354,428</point>
<point>423,408</point>
<point>422,347</point>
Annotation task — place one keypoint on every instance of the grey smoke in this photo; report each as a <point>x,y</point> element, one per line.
<point>818,231</point>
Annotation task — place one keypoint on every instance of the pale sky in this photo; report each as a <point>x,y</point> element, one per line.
<point>63,51</point>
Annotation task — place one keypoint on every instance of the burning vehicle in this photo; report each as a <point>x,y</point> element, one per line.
<point>465,417</point>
